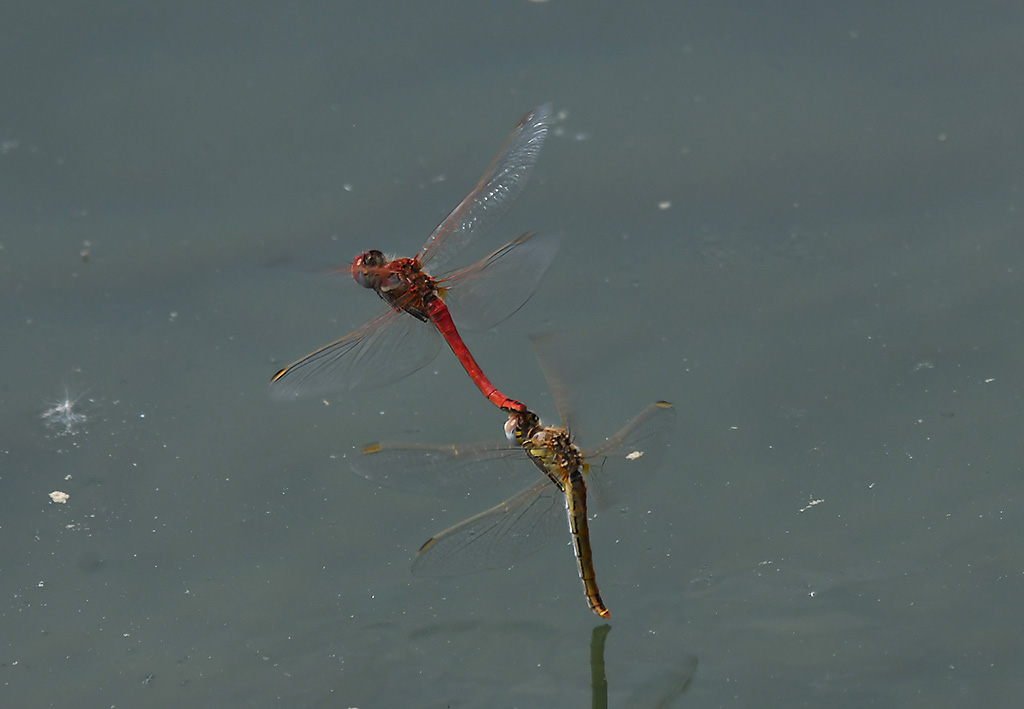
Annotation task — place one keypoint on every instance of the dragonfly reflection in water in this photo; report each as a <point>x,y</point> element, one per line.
<point>532,518</point>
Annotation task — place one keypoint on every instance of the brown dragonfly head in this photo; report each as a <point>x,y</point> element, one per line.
<point>366,268</point>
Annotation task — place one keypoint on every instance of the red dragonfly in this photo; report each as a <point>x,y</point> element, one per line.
<point>393,345</point>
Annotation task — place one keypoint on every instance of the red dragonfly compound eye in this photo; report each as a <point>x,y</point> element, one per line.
<point>362,265</point>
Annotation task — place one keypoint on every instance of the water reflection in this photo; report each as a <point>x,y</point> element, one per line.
<point>665,678</point>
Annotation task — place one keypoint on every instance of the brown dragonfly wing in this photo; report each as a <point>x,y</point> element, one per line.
<point>549,350</point>
<point>626,461</point>
<point>441,469</point>
<point>498,537</point>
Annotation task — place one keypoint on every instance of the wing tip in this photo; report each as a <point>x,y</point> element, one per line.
<point>281,392</point>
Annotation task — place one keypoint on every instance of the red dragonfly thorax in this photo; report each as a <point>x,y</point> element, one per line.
<point>400,282</point>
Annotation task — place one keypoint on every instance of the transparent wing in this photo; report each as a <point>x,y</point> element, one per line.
<point>494,193</point>
<point>549,349</point>
<point>440,469</point>
<point>387,348</point>
<point>625,461</point>
<point>512,530</point>
<point>494,288</point>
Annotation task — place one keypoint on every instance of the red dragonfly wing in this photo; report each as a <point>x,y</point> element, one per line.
<point>384,350</point>
<point>494,193</point>
<point>484,294</point>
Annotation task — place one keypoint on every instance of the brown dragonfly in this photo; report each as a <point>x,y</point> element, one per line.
<point>532,518</point>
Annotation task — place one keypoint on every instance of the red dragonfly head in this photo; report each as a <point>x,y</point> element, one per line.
<point>366,268</point>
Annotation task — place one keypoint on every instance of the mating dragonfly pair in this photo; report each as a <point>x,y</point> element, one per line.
<point>404,338</point>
